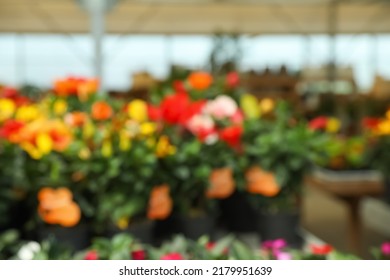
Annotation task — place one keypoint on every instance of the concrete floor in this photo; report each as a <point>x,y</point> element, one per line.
<point>326,218</point>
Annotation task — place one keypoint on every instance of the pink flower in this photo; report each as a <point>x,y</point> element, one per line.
<point>221,107</point>
<point>282,256</point>
<point>172,256</point>
<point>385,248</point>
<point>276,244</point>
<point>138,255</point>
<point>232,79</point>
<point>199,123</point>
<point>238,117</point>
<point>91,256</point>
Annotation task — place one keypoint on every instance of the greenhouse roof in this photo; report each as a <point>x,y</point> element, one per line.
<point>201,16</point>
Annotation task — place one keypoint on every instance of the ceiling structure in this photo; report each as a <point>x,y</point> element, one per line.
<point>253,17</point>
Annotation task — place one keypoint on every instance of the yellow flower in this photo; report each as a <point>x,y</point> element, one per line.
<point>138,110</point>
<point>44,143</point>
<point>124,141</point>
<point>164,148</point>
<point>60,107</point>
<point>28,113</point>
<point>148,128</point>
<point>384,127</point>
<point>88,130</point>
<point>7,109</point>
<point>31,150</point>
<point>266,105</point>
<point>107,148</point>
<point>122,223</point>
<point>84,153</point>
<point>333,125</point>
<point>250,106</point>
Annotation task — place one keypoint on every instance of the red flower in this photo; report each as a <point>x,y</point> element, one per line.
<point>179,87</point>
<point>9,92</point>
<point>10,128</point>
<point>154,113</point>
<point>14,95</point>
<point>371,123</point>
<point>321,249</point>
<point>232,79</point>
<point>318,123</point>
<point>231,135</point>
<point>172,256</point>
<point>173,107</point>
<point>91,256</point>
<point>211,245</point>
<point>192,110</point>
<point>139,255</point>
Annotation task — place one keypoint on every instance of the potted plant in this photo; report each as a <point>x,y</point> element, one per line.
<point>280,151</point>
<point>379,133</point>
<point>197,123</point>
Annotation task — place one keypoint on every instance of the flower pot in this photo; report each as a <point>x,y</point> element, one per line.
<point>164,229</point>
<point>280,225</point>
<point>196,226</point>
<point>142,231</point>
<point>237,214</point>
<point>77,237</point>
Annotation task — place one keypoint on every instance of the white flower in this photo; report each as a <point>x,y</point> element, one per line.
<point>28,251</point>
<point>221,107</point>
<point>200,123</point>
<point>211,139</point>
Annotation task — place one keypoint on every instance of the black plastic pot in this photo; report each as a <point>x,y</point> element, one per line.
<point>237,214</point>
<point>142,231</point>
<point>77,238</point>
<point>280,225</point>
<point>164,229</point>
<point>197,226</point>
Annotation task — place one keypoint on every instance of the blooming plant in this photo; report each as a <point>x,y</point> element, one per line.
<point>379,132</point>
<point>383,252</point>
<point>278,151</point>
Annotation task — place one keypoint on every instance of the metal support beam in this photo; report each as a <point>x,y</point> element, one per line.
<point>20,59</point>
<point>97,10</point>
<point>375,54</point>
<point>333,27</point>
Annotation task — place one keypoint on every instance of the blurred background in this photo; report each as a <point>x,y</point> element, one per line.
<point>311,52</point>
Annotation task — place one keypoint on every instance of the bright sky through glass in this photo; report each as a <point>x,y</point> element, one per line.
<point>40,59</point>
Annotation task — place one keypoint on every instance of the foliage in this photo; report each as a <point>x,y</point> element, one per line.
<point>286,147</point>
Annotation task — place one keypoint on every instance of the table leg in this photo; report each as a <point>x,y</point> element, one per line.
<point>354,225</point>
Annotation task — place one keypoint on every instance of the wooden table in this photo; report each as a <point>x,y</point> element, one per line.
<point>351,190</point>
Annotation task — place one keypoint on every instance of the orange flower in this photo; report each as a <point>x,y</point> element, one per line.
<point>222,184</point>
<point>57,207</point>
<point>76,119</point>
<point>261,182</point>
<point>160,203</point>
<point>200,80</point>
<point>87,88</point>
<point>80,87</point>
<point>101,111</point>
